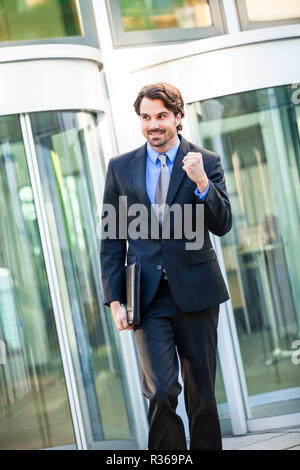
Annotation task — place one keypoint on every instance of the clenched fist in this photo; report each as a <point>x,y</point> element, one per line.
<point>193,166</point>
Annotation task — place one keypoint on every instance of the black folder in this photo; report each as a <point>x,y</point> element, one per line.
<point>132,287</point>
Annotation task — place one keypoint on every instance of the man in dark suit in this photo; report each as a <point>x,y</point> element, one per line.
<point>181,289</point>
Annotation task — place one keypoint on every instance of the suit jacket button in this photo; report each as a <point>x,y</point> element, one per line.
<point>158,267</point>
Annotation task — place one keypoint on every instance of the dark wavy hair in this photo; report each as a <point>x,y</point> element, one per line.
<point>169,94</point>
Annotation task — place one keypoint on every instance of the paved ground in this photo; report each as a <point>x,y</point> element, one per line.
<point>283,439</point>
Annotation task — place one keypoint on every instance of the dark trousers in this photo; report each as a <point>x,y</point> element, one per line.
<point>163,328</point>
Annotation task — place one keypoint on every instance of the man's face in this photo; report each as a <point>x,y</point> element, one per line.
<point>159,124</point>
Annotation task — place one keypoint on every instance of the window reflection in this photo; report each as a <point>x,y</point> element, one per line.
<point>68,152</point>
<point>22,20</point>
<point>34,408</point>
<point>162,14</point>
<point>257,136</point>
<point>272,10</point>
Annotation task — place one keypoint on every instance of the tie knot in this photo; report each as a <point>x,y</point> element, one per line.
<point>163,158</point>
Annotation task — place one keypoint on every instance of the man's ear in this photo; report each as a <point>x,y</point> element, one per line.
<point>178,118</point>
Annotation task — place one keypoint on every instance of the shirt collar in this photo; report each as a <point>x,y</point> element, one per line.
<point>171,153</point>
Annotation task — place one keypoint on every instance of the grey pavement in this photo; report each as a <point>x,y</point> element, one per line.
<point>281,439</point>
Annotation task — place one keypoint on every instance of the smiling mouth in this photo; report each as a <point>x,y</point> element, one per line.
<point>156,134</point>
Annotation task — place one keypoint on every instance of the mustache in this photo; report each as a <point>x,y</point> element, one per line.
<point>155,131</point>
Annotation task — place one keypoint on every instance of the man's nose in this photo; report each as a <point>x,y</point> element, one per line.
<point>153,124</point>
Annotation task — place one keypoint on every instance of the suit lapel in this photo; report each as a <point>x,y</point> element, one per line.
<point>177,171</point>
<point>138,168</point>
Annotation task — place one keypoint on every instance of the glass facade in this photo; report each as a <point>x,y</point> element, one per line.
<point>23,20</point>
<point>34,399</point>
<point>34,407</point>
<point>161,14</point>
<point>67,150</point>
<point>257,134</point>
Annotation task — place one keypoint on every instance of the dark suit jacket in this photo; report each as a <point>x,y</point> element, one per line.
<point>194,276</point>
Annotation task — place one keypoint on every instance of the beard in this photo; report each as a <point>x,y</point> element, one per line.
<point>159,140</point>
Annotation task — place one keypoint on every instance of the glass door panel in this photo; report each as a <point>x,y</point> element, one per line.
<point>221,399</point>
<point>34,407</point>
<point>257,136</point>
<point>70,169</point>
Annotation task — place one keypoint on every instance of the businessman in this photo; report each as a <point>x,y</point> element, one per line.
<point>181,289</point>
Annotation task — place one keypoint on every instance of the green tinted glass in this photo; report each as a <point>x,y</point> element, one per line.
<point>34,406</point>
<point>140,15</point>
<point>23,20</point>
<point>67,151</point>
<point>257,135</point>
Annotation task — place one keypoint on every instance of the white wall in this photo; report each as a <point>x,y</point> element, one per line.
<point>39,78</point>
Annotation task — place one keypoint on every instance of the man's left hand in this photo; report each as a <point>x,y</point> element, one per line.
<point>193,165</point>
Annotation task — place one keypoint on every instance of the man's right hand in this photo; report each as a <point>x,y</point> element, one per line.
<point>120,316</point>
